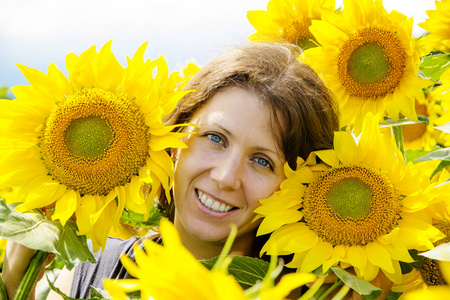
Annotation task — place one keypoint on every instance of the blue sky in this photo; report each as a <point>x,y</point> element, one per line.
<point>37,33</point>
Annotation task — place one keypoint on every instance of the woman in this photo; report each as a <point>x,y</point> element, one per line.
<point>256,107</point>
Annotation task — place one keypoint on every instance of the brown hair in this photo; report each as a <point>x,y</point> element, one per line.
<point>304,116</point>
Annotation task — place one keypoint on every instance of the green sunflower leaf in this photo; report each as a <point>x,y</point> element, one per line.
<point>246,270</point>
<point>3,294</point>
<point>97,294</point>
<point>365,289</point>
<point>435,64</point>
<point>444,128</point>
<point>412,155</point>
<point>34,231</point>
<point>133,218</point>
<point>393,295</point>
<point>440,154</point>
<point>389,122</point>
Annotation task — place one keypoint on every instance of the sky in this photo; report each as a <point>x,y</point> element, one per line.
<point>36,33</point>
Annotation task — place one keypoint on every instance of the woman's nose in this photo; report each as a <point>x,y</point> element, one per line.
<point>227,171</point>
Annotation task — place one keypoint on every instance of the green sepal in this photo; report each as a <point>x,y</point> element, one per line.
<point>416,264</point>
<point>442,165</point>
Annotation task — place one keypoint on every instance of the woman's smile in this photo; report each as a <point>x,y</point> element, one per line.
<point>212,204</point>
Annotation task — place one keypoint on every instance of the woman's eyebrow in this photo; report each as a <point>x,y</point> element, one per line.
<point>224,129</point>
<point>259,148</point>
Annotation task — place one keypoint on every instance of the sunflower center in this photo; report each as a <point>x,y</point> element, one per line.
<point>89,137</point>
<point>351,205</point>
<point>431,271</point>
<point>297,32</point>
<point>350,198</point>
<point>413,132</point>
<point>368,64</point>
<point>94,141</point>
<point>371,63</point>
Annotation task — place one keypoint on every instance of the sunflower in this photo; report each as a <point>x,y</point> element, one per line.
<point>422,136</point>
<point>430,274</point>
<point>368,58</point>
<point>441,97</point>
<point>437,25</point>
<point>361,211</point>
<point>430,271</point>
<point>434,292</point>
<point>172,272</point>
<point>288,20</point>
<point>91,144</point>
<point>441,94</point>
<point>188,72</point>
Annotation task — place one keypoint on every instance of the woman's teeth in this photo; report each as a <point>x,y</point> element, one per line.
<point>212,204</point>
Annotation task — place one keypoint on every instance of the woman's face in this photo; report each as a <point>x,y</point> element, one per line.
<point>231,162</point>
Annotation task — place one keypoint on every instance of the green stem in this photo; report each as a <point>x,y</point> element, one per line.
<point>342,292</point>
<point>3,294</point>
<point>221,263</point>
<point>31,275</point>
<point>313,289</point>
<point>398,135</point>
<point>337,283</point>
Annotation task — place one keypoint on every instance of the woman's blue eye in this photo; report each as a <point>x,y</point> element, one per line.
<point>263,162</point>
<point>215,138</point>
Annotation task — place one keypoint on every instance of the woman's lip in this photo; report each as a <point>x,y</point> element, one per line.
<point>209,211</point>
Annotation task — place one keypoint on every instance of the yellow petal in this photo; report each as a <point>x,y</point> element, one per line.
<point>396,275</point>
<point>66,205</point>
<point>317,256</point>
<point>329,157</point>
<point>278,219</point>
<point>170,234</point>
<point>379,256</point>
<point>345,147</point>
<point>338,255</point>
<point>39,192</point>
<point>357,257</point>
<point>287,283</point>
<point>121,198</point>
<point>85,210</point>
